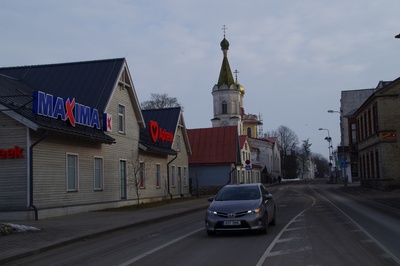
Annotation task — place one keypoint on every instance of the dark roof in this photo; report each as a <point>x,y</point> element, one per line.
<point>167,119</point>
<point>90,83</point>
<point>217,145</point>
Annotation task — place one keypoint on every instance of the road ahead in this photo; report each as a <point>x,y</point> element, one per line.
<point>315,226</point>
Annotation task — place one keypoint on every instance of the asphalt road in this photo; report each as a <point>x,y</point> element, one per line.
<point>315,226</point>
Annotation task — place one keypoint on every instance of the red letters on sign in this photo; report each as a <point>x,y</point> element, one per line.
<point>13,153</point>
<point>159,133</point>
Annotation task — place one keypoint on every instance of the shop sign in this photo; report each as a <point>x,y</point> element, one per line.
<point>12,153</point>
<point>157,133</point>
<point>68,110</point>
<point>389,136</point>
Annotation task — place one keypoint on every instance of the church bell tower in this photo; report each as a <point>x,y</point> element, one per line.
<point>227,95</point>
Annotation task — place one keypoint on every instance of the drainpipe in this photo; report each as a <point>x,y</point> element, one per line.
<point>31,175</point>
<point>169,192</point>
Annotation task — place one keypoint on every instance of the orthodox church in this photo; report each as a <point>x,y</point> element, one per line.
<point>246,157</point>
<point>228,97</point>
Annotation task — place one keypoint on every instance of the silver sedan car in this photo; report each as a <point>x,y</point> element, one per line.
<point>241,207</point>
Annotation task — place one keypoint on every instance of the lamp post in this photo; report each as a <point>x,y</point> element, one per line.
<point>343,163</point>
<point>329,139</point>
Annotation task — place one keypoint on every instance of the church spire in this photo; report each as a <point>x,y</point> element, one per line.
<point>225,75</point>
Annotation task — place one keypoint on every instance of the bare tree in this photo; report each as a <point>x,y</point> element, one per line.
<point>137,174</point>
<point>305,155</point>
<point>158,101</point>
<point>322,165</point>
<point>288,142</point>
<point>287,138</point>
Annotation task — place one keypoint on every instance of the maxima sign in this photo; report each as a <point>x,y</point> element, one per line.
<point>68,110</point>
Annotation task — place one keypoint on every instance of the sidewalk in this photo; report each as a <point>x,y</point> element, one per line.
<point>62,230</point>
<point>378,198</point>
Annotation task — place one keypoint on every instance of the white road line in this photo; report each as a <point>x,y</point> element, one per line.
<point>276,240</point>
<point>158,248</point>
<point>396,259</point>
<point>288,251</point>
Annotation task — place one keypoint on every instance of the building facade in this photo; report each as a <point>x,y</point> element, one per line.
<point>377,126</point>
<point>347,152</point>
<point>69,136</point>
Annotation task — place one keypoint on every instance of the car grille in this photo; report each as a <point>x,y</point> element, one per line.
<point>232,215</point>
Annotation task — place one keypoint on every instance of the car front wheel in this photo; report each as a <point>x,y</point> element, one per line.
<point>264,229</point>
<point>273,222</point>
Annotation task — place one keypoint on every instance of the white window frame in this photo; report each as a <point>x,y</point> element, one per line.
<point>121,118</point>
<point>98,173</point>
<point>75,171</point>
<point>178,142</point>
<point>185,177</point>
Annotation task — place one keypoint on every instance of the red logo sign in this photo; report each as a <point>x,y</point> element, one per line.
<point>14,153</point>
<point>157,133</point>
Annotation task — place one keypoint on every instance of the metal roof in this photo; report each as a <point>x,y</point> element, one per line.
<point>216,145</point>
<point>90,83</point>
<point>167,119</point>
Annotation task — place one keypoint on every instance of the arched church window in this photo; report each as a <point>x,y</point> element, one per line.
<point>249,132</point>
<point>224,108</point>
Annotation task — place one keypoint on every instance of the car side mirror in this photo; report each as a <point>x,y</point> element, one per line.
<point>267,196</point>
<point>210,199</point>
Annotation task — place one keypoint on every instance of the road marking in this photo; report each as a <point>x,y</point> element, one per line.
<point>295,228</point>
<point>276,240</point>
<point>289,239</point>
<point>288,251</point>
<point>158,248</point>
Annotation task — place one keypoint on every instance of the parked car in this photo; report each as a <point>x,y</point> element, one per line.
<point>241,207</point>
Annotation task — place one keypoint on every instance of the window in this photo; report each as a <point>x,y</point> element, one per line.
<point>185,177</point>
<point>178,142</point>
<point>375,117</point>
<point>249,132</point>
<point>180,179</point>
<point>72,172</point>
<point>142,175</point>
<point>158,177</point>
<point>224,108</point>
<point>122,177</point>
<point>369,122</point>
<point>173,176</point>
<point>353,133</point>
<point>121,118</point>
<point>98,173</point>
<point>377,164</point>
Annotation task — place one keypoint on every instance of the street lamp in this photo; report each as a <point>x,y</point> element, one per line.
<point>343,163</point>
<point>329,139</point>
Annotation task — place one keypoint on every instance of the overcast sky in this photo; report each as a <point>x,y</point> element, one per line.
<point>294,57</point>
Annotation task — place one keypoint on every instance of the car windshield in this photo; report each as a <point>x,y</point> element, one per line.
<point>238,193</point>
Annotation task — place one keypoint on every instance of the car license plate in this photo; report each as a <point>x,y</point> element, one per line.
<point>230,223</point>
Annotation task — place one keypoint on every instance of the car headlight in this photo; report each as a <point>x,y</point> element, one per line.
<point>254,211</point>
<point>211,212</point>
